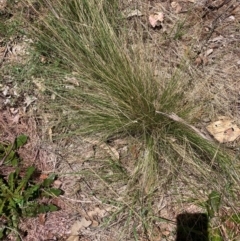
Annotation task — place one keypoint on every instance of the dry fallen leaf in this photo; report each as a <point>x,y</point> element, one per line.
<point>15,119</point>
<point>43,59</point>
<point>72,80</point>
<point>208,52</point>
<point>57,183</point>
<point>198,61</point>
<point>204,60</point>
<point>133,13</point>
<point>156,19</point>
<point>97,212</point>
<point>176,7</point>
<point>29,100</point>
<point>73,238</point>
<point>109,150</point>
<point>166,233</point>
<point>70,87</point>
<point>3,4</point>
<point>39,84</point>
<point>42,218</point>
<point>5,90</point>
<point>76,227</point>
<point>14,111</point>
<point>53,97</point>
<point>224,130</point>
<point>217,39</point>
<point>43,176</point>
<point>19,49</point>
<point>236,10</point>
<point>95,224</point>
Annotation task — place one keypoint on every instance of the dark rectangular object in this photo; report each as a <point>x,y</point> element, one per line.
<point>192,227</point>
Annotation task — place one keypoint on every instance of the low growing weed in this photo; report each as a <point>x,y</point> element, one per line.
<point>20,196</point>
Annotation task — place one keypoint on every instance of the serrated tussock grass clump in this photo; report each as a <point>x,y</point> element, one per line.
<point>105,88</point>
<point>114,94</point>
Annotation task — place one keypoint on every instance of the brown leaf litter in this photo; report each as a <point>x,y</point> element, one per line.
<point>224,130</point>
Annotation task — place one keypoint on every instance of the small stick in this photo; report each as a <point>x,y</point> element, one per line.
<point>4,54</point>
<point>179,119</point>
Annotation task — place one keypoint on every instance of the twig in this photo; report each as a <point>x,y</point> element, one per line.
<point>180,120</point>
<point>14,230</point>
<point>4,54</point>
<point>212,8</point>
<point>75,200</point>
<point>214,22</point>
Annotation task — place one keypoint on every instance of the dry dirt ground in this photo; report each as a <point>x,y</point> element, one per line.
<point>209,39</point>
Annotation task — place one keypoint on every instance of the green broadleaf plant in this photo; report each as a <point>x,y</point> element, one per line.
<point>19,194</point>
<point>20,141</point>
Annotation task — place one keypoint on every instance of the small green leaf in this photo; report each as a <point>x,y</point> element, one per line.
<point>25,179</point>
<point>47,208</point>
<point>53,208</point>
<point>11,181</point>
<point>35,208</point>
<point>12,204</point>
<point>2,204</point>
<point>20,141</point>
<point>15,161</point>
<point>15,219</point>
<point>51,192</point>
<point>30,192</point>
<point>10,155</point>
<point>4,188</point>
<point>30,210</point>
<point>48,181</point>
